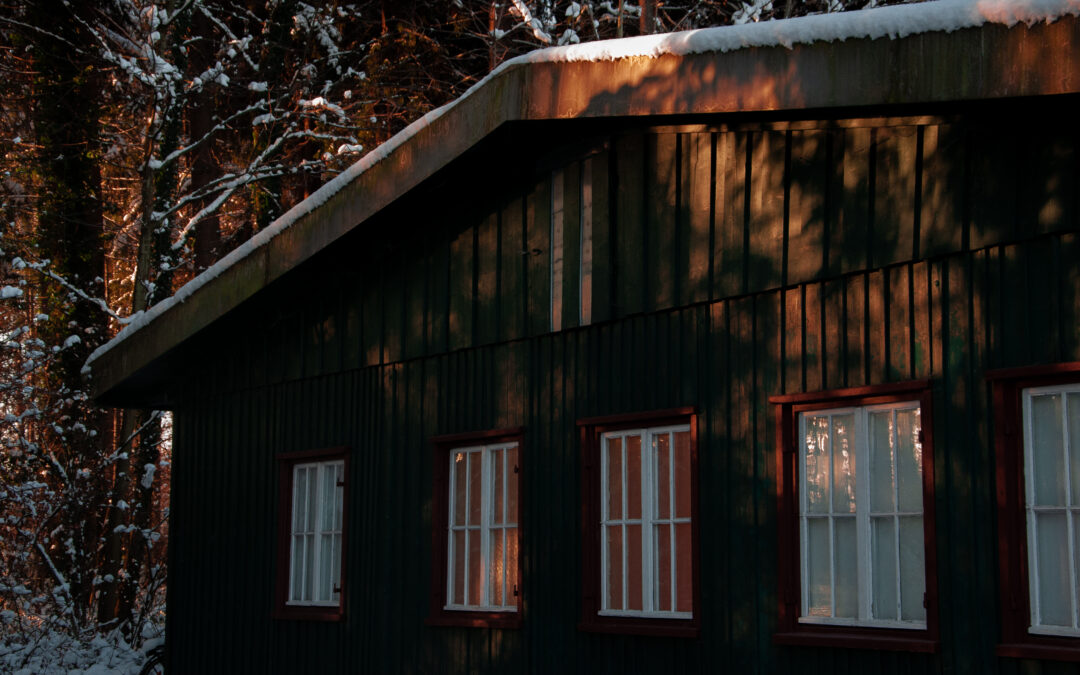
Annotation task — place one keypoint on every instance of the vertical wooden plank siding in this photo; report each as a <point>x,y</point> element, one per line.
<point>893,233</point>
<point>849,241</point>
<point>512,258</point>
<point>416,291</point>
<point>807,187</point>
<point>487,269</point>
<point>765,260</point>
<point>393,303</point>
<point>662,230</point>
<point>372,317</point>
<point>572,245</point>
<point>995,160</point>
<point>696,181</point>
<point>538,244</point>
<point>629,235</point>
<point>943,214</point>
<point>602,252</point>
<point>743,262</point>
<point>462,289</point>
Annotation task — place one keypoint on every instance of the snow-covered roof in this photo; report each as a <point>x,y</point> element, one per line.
<point>524,88</point>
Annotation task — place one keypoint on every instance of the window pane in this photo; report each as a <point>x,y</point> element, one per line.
<point>1053,566</point>
<point>299,499</point>
<point>497,486</point>
<point>1047,445</point>
<point>818,582</point>
<point>335,572</point>
<point>614,478</point>
<point>309,566</point>
<point>497,567</point>
<point>511,565</point>
<point>682,474</point>
<point>882,462</point>
<point>912,569</point>
<point>843,463</point>
<point>883,568</point>
<point>326,561</point>
<point>816,446</point>
<point>512,485</point>
<point>909,460</point>
<point>1073,416</point>
<point>476,488</point>
<point>458,581</point>
<point>633,567</point>
<point>458,482</point>
<point>476,568</point>
<point>614,566</point>
<point>1076,558</point>
<point>311,509</point>
<point>633,477</point>
<point>663,475</point>
<point>339,496</point>
<point>297,565</point>
<point>326,498</point>
<point>846,559</point>
<point>684,569</point>
<point>662,566</point>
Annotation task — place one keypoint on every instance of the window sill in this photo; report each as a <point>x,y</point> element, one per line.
<point>855,638</point>
<point>509,620</point>
<point>308,613</point>
<point>680,628</point>
<point>1030,650</point>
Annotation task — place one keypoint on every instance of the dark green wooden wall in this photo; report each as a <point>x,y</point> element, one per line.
<point>731,262</point>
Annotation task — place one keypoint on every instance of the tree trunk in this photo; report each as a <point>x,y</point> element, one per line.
<point>70,225</point>
<point>266,197</point>
<point>648,17</point>
<point>204,167</point>
<point>124,550</point>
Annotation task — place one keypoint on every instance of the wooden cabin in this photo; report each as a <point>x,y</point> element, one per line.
<point>686,359</point>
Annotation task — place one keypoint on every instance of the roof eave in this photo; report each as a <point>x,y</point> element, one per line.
<point>989,62</point>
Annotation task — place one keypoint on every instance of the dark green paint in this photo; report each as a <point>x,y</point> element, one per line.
<point>387,340</point>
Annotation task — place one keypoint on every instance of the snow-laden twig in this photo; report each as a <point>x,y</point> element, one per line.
<point>42,268</point>
<point>62,585</point>
<point>229,190</point>
<point>224,28</point>
<point>220,126</point>
<point>41,31</point>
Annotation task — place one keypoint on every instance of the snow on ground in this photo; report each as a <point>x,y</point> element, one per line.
<point>885,22</point>
<point>58,654</point>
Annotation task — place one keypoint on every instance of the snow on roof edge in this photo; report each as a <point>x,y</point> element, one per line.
<point>894,22</point>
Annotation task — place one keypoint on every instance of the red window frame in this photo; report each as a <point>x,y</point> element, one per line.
<point>286,462</point>
<point>1007,386</point>
<point>789,630</point>
<point>591,432</point>
<point>442,446</point>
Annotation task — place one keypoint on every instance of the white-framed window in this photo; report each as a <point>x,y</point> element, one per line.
<point>1051,420</point>
<point>315,533</point>
<point>482,529</point>
<point>646,523</point>
<point>861,528</point>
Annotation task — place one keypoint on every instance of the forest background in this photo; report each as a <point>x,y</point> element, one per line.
<point>141,141</point>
